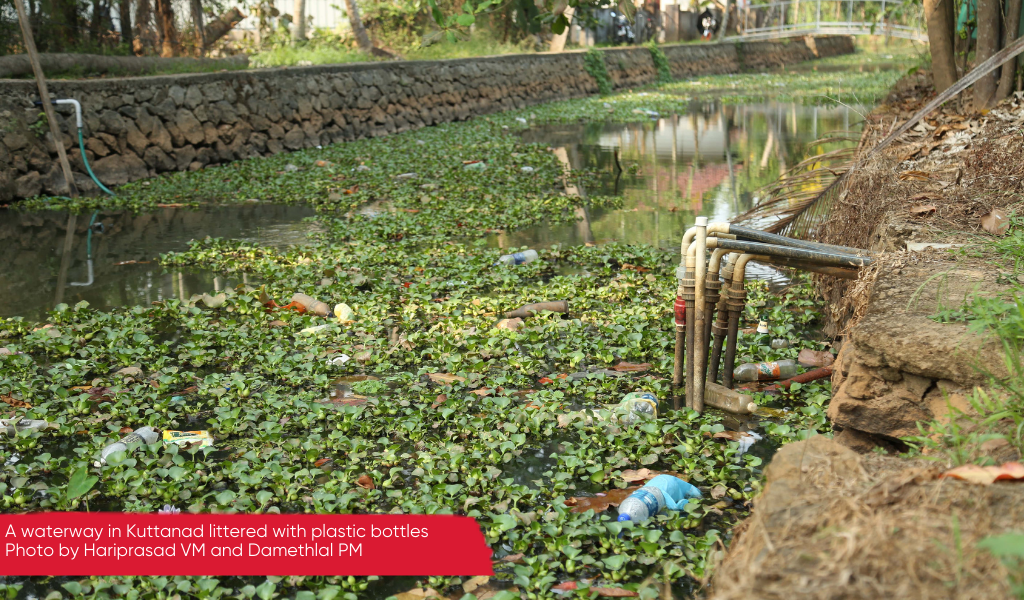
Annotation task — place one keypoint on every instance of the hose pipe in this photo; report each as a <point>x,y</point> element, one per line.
<point>721,325</point>
<point>756,235</point>
<point>737,300</point>
<point>700,358</point>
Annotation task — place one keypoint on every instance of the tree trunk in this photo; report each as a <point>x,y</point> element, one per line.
<point>165,15</point>
<point>220,26</point>
<point>299,21</point>
<point>725,22</point>
<point>357,27</point>
<point>200,27</point>
<point>1009,72</point>
<point>940,42</point>
<point>988,44</point>
<point>558,41</point>
<point>124,8</point>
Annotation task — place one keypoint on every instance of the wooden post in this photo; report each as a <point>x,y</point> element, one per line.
<point>44,96</point>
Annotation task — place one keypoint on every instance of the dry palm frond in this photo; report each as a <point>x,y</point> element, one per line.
<point>797,212</point>
<point>801,189</point>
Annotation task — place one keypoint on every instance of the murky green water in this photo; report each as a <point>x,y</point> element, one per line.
<point>123,250</point>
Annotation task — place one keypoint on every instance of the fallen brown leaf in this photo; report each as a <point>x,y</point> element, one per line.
<point>614,592</point>
<point>914,176</point>
<point>474,583</point>
<point>600,502</point>
<point>986,475</point>
<point>419,594</point>
<point>445,378</point>
<point>718,491</point>
<point>995,222</point>
<point>441,399</point>
<point>920,210</point>
<point>512,558</point>
<point>321,462</point>
<point>631,475</point>
<point>482,392</point>
<point>15,403</point>
<point>365,482</point>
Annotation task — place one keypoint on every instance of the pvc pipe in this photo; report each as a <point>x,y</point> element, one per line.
<point>721,325</point>
<point>699,275</point>
<point>712,296</point>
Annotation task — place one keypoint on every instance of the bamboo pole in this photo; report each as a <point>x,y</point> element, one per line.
<point>44,96</point>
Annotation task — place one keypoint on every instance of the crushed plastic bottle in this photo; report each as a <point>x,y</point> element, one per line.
<point>762,371</point>
<point>637,406</point>
<point>779,344</point>
<point>13,426</point>
<point>664,491</point>
<point>143,434</point>
<point>517,258</point>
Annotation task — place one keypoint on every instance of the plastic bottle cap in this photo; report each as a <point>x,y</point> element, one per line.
<point>624,517</point>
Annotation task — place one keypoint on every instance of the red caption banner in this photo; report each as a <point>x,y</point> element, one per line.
<point>63,543</point>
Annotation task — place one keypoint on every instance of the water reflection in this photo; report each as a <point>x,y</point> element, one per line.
<point>709,162</point>
<point>111,257</point>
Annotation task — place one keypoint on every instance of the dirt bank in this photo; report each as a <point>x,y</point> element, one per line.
<point>837,519</point>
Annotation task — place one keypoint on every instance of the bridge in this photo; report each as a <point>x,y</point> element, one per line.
<point>788,18</point>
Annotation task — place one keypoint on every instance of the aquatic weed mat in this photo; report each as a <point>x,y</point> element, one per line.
<point>442,411</point>
<point>834,524</point>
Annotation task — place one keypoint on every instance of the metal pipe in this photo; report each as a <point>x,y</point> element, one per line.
<point>756,235</point>
<point>736,303</point>
<point>807,266</point>
<point>700,358</point>
<point>812,256</point>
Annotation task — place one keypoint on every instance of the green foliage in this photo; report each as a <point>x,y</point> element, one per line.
<point>660,62</point>
<point>593,62</point>
<point>1009,548</point>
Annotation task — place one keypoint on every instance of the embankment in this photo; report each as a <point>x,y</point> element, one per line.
<point>140,126</point>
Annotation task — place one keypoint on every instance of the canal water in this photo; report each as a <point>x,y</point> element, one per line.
<point>710,161</point>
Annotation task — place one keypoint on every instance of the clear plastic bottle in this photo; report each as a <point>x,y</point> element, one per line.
<point>779,343</point>
<point>782,369</point>
<point>637,406</point>
<point>518,258</point>
<point>664,491</point>
<point>143,434</point>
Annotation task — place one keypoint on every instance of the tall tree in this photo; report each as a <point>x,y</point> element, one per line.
<point>987,45</point>
<point>198,23</point>
<point>938,17</point>
<point>165,16</point>
<point>299,21</point>
<point>1010,34</point>
<point>357,27</point>
<point>124,8</point>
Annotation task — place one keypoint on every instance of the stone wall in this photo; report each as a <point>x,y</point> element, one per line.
<point>138,127</point>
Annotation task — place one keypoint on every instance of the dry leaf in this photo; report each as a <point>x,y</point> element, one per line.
<point>639,475</point>
<point>718,491</point>
<point>277,324</point>
<point>321,462</point>
<point>920,210</point>
<point>600,502</point>
<point>474,583</point>
<point>365,482</point>
<point>732,436</point>
<point>565,586</point>
<point>986,475</point>
<point>545,380</point>
<point>995,222</point>
<point>815,358</point>
<point>445,378</point>
<point>482,392</point>
<point>512,558</point>
<point>627,366</point>
<point>510,324</point>
<point>914,176</point>
<point>441,399</point>
<point>924,197</point>
<point>15,403</point>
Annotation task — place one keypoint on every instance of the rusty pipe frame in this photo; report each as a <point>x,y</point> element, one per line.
<point>736,303</point>
<point>700,356</point>
<point>721,325</point>
<point>712,297</point>
<point>756,235</point>
<point>826,259</point>
<point>807,266</point>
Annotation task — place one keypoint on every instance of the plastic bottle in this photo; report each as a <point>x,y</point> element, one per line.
<point>637,406</point>
<point>312,305</point>
<point>779,344</point>
<point>664,491</point>
<point>518,258</point>
<point>722,398</point>
<point>762,326</point>
<point>528,310</point>
<point>12,426</point>
<point>142,434</point>
<point>766,370</point>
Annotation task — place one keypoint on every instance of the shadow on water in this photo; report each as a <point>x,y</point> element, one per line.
<point>710,162</point>
<point>124,249</point>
